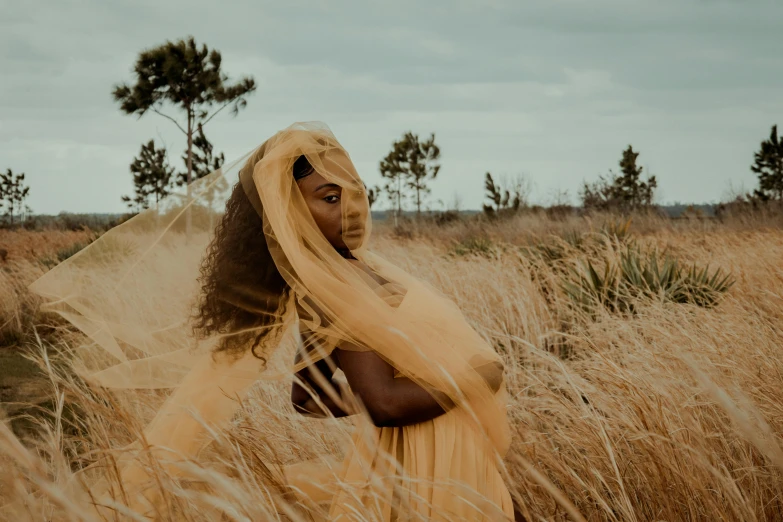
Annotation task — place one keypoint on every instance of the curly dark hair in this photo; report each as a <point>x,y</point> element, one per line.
<point>243,294</point>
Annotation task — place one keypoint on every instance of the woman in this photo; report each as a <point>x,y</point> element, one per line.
<point>290,250</point>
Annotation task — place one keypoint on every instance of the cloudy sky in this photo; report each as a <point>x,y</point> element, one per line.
<point>551,89</point>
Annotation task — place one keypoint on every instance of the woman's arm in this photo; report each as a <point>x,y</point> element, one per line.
<point>400,401</point>
<point>389,401</point>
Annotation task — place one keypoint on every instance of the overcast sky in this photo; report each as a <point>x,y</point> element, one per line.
<point>552,89</point>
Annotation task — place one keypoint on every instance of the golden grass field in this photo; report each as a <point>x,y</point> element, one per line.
<point>673,412</point>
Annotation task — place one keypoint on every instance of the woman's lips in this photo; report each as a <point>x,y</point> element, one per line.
<point>354,231</point>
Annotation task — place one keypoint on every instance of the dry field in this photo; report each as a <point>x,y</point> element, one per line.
<point>24,256</point>
<point>628,403</point>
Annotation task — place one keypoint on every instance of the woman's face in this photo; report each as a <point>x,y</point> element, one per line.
<point>324,198</point>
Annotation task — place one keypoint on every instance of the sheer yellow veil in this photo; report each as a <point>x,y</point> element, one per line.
<point>132,294</point>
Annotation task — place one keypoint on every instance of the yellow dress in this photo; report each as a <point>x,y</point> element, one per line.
<point>439,470</point>
<point>444,471</point>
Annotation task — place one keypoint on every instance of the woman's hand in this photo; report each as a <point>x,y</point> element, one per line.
<point>315,392</point>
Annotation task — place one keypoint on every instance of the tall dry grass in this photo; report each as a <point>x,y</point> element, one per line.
<point>24,256</point>
<point>22,244</point>
<point>674,412</point>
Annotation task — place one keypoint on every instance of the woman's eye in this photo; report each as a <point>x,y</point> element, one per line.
<point>332,199</point>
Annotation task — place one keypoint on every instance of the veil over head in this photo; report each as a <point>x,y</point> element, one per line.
<point>134,292</point>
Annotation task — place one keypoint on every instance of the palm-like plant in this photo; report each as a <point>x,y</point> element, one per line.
<point>636,274</point>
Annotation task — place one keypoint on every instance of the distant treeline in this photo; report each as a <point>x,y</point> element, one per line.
<point>69,221</point>
<point>104,221</point>
<point>675,210</point>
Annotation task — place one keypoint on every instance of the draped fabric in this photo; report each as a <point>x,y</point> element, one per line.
<point>133,292</point>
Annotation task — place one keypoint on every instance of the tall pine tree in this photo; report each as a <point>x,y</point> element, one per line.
<point>189,78</point>
<point>768,166</point>
<point>629,187</point>
<point>408,167</point>
<point>394,173</point>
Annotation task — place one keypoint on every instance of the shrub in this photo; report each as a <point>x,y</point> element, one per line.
<point>403,230</point>
<point>642,274</point>
<point>555,249</point>
<point>617,229</point>
<point>445,218</point>
<point>62,254</point>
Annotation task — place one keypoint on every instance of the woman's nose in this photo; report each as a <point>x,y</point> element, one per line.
<point>354,207</point>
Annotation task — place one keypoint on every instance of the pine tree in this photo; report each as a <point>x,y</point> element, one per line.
<point>624,191</point>
<point>189,78</point>
<point>152,176</point>
<point>13,194</point>
<point>408,167</point>
<point>768,165</point>
<point>497,198</point>
<point>506,196</point>
<point>629,188</point>
<point>423,164</point>
<point>393,170</point>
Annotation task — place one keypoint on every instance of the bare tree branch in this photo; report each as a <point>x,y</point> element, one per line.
<point>216,112</point>
<point>172,119</point>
